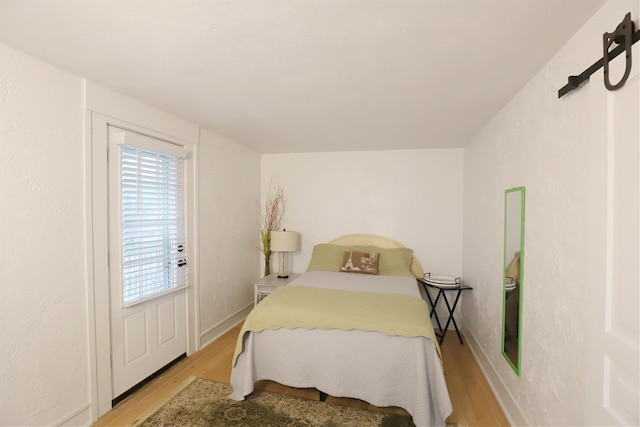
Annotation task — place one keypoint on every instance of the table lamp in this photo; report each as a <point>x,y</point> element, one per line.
<point>284,242</point>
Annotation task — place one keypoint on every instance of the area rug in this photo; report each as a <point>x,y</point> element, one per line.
<point>203,402</point>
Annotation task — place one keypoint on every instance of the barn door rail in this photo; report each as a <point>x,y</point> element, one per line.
<point>624,36</point>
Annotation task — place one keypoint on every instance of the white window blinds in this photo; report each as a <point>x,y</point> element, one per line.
<point>154,253</point>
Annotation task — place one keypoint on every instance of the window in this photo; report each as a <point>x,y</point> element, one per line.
<point>154,255</point>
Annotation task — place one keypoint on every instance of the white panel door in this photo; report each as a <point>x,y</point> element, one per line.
<point>150,332</point>
<point>612,380</point>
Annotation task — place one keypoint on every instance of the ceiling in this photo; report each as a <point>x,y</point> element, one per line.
<point>281,76</point>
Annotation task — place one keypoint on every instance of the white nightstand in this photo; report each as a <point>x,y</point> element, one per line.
<point>268,284</point>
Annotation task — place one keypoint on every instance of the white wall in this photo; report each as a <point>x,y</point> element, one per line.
<point>229,188</point>
<point>413,196</point>
<point>543,143</point>
<point>44,364</point>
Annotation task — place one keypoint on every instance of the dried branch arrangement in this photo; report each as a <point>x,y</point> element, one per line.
<point>269,220</point>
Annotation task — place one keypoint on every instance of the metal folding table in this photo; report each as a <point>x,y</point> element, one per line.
<point>457,288</point>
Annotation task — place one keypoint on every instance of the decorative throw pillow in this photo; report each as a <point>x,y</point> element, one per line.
<point>360,262</point>
<point>391,261</point>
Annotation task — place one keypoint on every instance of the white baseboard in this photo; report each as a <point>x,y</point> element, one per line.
<point>79,417</point>
<point>510,407</point>
<point>216,331</point>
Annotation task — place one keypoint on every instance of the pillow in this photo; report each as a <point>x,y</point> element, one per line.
<point>360,262</point>
<point>513,270</point>
<point>326,257</point>
<point>392,261</point>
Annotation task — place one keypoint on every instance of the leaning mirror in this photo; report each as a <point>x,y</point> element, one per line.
<point>513,274</point>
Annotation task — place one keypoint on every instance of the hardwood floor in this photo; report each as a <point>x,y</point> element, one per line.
<point>473,401</point>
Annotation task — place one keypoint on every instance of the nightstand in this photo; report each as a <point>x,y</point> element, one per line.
<point>268,284</point>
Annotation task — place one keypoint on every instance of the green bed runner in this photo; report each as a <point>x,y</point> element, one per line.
<point>306,307</point>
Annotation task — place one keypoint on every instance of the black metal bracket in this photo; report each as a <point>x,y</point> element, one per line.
<point>622,36</point>
<point>625,36</point>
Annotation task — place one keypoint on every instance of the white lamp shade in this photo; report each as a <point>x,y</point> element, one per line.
<point>284,241</point>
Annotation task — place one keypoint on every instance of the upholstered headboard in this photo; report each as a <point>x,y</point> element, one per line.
<point>379,241</point>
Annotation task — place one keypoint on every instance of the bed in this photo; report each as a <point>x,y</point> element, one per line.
<point>363,336</point>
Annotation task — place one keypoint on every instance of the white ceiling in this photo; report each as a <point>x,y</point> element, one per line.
<point>306,75</point>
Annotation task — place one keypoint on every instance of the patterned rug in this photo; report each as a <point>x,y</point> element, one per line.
<point>203,402</point>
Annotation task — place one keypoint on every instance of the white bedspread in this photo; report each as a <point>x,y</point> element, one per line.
<point>382,370</point>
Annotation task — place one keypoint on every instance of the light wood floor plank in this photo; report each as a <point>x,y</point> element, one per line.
<point>474,404</point>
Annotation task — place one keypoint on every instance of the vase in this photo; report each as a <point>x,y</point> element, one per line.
<point>267,266</point>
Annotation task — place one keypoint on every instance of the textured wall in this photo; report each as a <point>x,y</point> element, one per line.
<point>229,187</point>
<point>540,142</point>
<point>43,321</point>
<point>413,196</point>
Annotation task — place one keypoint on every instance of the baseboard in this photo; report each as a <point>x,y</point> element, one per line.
<point>216,331</point>
<point>79,417</point>
<point>510,407</point>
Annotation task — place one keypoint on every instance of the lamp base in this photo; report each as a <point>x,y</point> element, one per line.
<point>283,268</point>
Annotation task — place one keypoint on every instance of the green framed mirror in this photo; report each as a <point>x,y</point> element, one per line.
<point>513,276</point>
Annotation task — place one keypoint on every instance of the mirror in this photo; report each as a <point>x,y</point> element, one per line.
<point>513,276</point>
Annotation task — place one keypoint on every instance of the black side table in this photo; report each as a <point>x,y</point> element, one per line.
<point>442,293</point>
